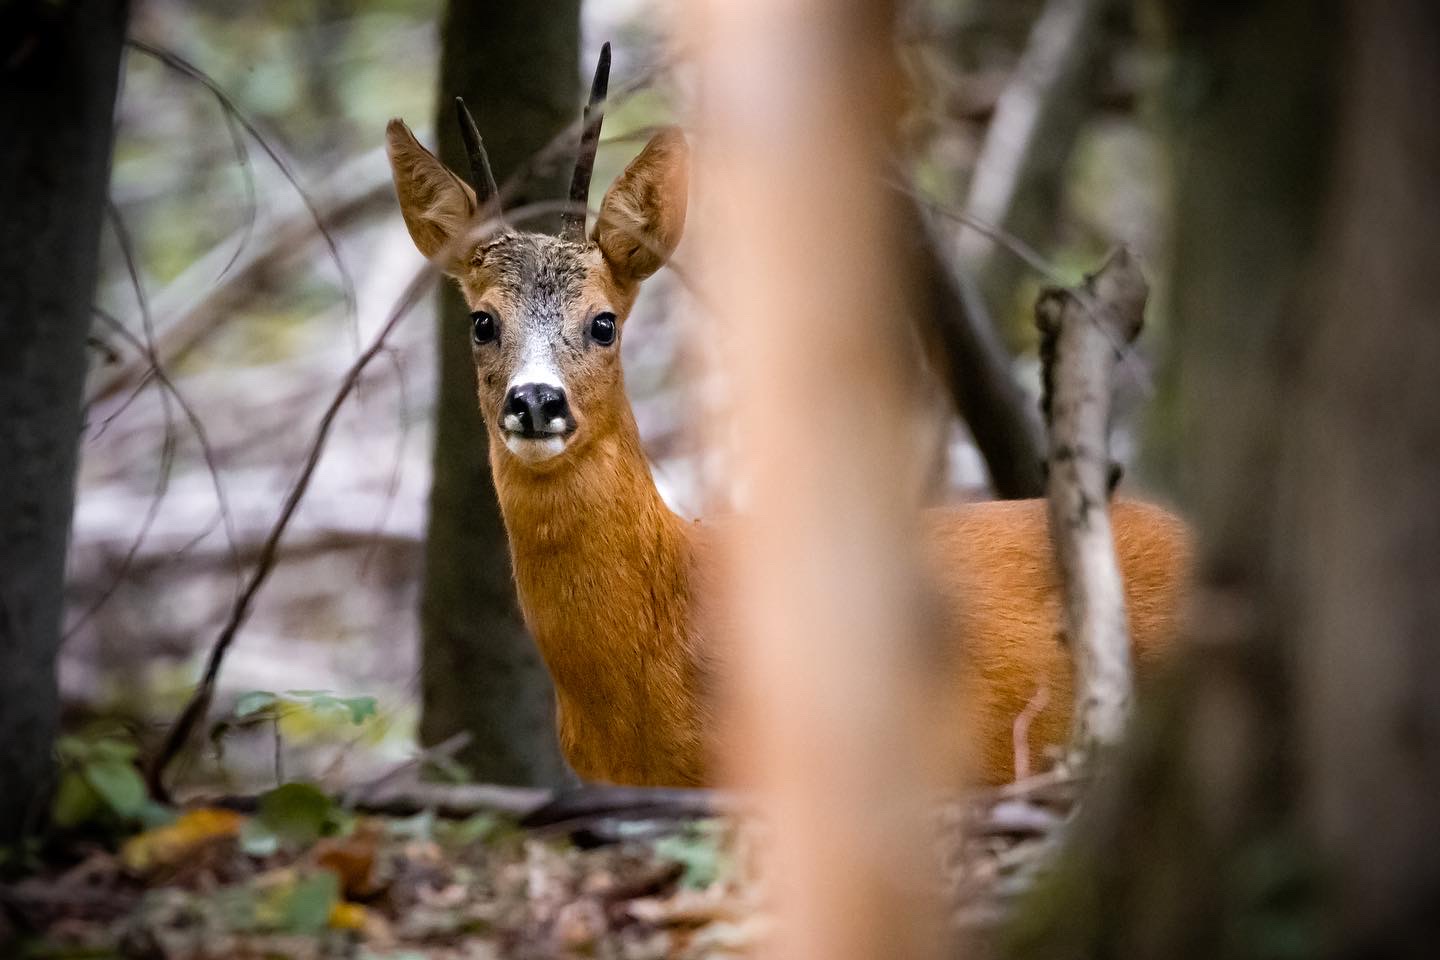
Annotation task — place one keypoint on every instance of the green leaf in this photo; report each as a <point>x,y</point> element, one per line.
<point>295,813</point>
<point>108,748</point>
<point>76,802</point>
<point>118,783</point>
<point>360,708</point>
<point>323,701</point>
<point>152,815</point>
<point>306,694</point>
<point>699,850</point>
<point>253,702</point>
<point>307,908</point>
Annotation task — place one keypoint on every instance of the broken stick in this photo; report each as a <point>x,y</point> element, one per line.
<point>1084,333</point>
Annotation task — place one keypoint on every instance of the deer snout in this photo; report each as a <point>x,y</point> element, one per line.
<point>537,411</point>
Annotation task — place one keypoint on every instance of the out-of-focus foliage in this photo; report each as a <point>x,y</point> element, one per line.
<point>100,785</point>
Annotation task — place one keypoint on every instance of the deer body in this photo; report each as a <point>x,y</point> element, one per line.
<point>613,585</point>
<point>635,670</point>
<point>605,572</point>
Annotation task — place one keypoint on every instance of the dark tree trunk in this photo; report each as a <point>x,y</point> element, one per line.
<point>518,67</point>
<point>59,67</point>
<point>1282,800</point>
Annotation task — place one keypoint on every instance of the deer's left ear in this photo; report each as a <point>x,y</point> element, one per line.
<point>643,214</point>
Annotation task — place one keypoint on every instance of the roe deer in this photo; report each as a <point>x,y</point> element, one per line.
<point>610,579</point>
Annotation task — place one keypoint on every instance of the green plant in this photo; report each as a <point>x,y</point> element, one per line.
<point>267,707</point>
<point>99,784</point>
<point>293,816</point>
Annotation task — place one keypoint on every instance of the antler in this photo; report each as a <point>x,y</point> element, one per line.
<point>573,220</point>
<point>480,176</point>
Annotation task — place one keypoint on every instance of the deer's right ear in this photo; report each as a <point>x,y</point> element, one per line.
<point>436,204</point>
<point>643,213</point>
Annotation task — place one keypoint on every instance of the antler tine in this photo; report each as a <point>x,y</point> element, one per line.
<point>480,176</point>
<point>573,221</point>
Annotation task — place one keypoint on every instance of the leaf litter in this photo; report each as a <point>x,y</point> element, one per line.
<point>301,878</point>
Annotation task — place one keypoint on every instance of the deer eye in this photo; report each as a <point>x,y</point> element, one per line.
<point>602,329</point>
<point>482,328</point>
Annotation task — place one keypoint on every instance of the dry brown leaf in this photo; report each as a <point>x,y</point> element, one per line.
<point>352,859</point>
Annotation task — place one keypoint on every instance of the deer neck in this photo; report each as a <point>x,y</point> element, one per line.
<point>602,570</point>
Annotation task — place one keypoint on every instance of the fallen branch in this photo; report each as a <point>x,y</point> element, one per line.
<point>535,808</point>
<point>1083,333</point>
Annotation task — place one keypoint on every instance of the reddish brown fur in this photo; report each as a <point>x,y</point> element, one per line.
<point>610,580</point>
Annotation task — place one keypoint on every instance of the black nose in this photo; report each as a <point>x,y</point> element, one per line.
<point>533,409</point>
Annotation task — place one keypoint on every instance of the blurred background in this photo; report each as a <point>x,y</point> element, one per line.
<point>242,127</point>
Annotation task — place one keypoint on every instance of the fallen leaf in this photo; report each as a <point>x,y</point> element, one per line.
<point>168,845</point>
<point>347,916</point>
<point>352,858</point>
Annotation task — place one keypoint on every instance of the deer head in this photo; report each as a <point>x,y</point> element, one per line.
<point>547,312</point>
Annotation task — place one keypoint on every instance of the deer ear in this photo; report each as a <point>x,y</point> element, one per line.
<point>643,213</point>
<point>436,204</point>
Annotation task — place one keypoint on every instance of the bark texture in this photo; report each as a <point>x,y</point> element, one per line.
<point>59,67</point>
<point>518,67</point>
<point>1281,801</point>
<point>1084,332</point>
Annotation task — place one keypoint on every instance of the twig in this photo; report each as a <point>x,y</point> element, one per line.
<point>1008,242</point>
<point>196,303</point>
<point>167,447</point>
<point>444,749</point>
<point>183,66</point>
<point>1020,731</point>
<point>199,701</point>
<point>247,175</point>
<point>158,370</point>
<point>1080,328</point>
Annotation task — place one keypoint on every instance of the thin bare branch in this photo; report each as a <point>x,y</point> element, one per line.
<point>199,702</point>
<point>1079,333</point>
<point>247,176</point>
<point>183,66</point>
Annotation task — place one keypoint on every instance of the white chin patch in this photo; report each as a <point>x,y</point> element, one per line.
<point>534,450</point>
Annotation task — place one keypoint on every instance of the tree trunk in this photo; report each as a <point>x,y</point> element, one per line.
<point>1281,802</point>
<point>59,68</point>
<point>517,66</point>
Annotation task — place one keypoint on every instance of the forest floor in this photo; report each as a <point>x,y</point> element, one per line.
<point>301,877</point>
